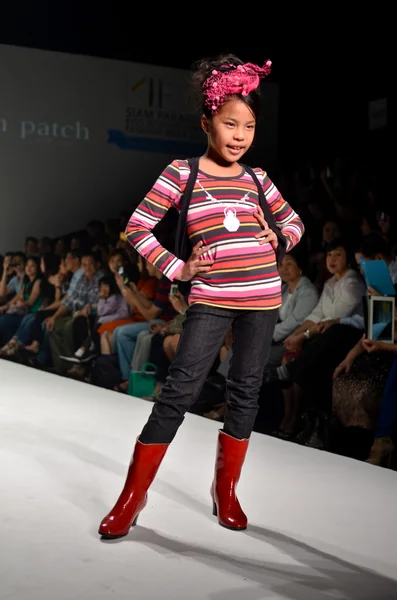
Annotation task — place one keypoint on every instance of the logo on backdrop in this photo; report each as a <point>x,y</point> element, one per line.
<point>158,118</point>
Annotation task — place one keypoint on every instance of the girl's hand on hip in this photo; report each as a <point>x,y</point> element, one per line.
<point>267,236</point>
<point>196,264</point>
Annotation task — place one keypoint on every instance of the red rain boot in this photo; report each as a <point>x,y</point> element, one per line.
<point>142,470</point>
<point>229,461</point>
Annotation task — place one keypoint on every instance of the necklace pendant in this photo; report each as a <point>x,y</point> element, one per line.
<point>231,221</point>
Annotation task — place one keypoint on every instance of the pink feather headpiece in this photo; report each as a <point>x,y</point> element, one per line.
<point>238,79</point>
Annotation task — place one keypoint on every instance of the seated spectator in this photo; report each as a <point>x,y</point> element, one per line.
<point>62,282</point>
<point>75,243</point>
<point>31,247</point>
<point>299,298</point>
<point>315,345</point>
<point>134,273</point>
<point>358,384</point>
<point>161,342</point>
<point>45,246</point>
<point>69,274</point>
<point>60,246</point>
<point>159,310</point>
<point>67,327</point>
<point>50,291</point>
<point>29,299</point>
<point>372,247</point>
<point>383,446</point>
<point>111,310</point>
<point>13,276</point>
<point>368,224</point>
<point>375,247</point>
<point>101,340</point>
<point>318,272</point>
<point>341,296</point>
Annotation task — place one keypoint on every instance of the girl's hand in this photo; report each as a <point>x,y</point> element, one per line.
<point>267,236</point>
<point>195,264</point>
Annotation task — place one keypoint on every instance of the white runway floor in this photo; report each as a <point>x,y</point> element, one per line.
<point>321,526</point>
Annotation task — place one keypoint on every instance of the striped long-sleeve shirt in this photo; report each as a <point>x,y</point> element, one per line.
<point>221,215</point>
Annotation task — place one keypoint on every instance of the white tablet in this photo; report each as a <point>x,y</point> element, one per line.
<point>381,315</point>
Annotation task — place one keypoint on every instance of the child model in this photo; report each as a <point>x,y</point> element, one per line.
<point>239,227</point>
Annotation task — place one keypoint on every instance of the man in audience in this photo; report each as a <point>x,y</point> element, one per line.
<point>45,245</point>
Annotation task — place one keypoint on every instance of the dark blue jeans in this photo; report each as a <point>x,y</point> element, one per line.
<point>388,411</point>
<point>203,335</point>
<point>8,327</point>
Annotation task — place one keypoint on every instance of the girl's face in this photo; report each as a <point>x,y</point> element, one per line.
<point>289,270</point>
<point>330,232</point>
<point>337,261</point>
<point>231,131</point>
<point>104,291</point>
<point>31,268</point>
<point>42,265</point>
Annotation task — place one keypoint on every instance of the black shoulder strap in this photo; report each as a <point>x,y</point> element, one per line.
<point>282,243</point>
<point>181,242</point>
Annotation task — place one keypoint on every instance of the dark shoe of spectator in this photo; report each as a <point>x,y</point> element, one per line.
<point>123,387</point>
<point>76,372</point>
<point>282,434</point>
<point>272,376</point>
<point>304,428</point>
<point>319,436</point>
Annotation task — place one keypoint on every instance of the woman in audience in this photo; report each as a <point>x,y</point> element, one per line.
<point>29,299</point>
<point>318,265</point>
<point>341,297</point>
<point>299,298</point>
<point>50,291</point>
<point>56,285</point>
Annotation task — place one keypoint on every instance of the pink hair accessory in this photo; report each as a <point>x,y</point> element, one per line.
<point>238,79</point>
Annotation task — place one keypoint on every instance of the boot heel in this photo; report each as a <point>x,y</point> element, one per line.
<point>135,521</point>
<point>214,510</point>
